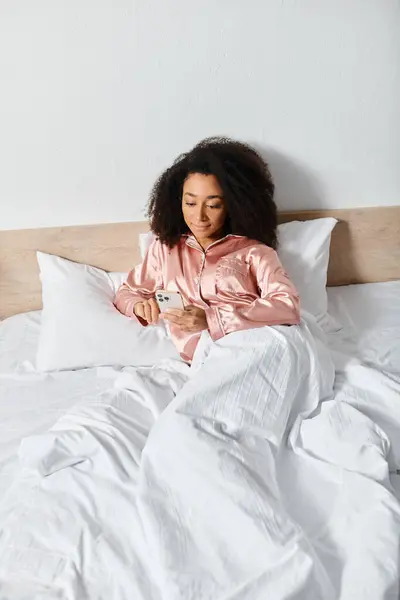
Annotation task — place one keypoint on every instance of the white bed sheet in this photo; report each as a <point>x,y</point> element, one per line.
<point>367,319</point>
<point>31,403</point>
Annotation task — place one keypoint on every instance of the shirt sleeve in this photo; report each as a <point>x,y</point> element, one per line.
<point>142,282</point>
<point>278,303</point>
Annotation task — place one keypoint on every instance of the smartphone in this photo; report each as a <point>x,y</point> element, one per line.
<point>166,300</point>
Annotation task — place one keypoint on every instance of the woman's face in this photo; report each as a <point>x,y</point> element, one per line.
<point>203,207</point>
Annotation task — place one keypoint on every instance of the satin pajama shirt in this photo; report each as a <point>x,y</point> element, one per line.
<point>238,282</point>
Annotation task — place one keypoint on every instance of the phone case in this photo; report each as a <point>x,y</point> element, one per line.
<point>166,300</point>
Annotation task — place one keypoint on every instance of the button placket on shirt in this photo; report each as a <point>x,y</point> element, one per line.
<point>198,276</point>
<point>198,279</point>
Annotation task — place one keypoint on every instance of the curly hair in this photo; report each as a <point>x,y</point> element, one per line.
<point>246,183</point>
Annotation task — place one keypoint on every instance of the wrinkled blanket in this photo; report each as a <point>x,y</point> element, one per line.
<point>168,485</point>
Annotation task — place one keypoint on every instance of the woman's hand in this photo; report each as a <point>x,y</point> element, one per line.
<point>147,310</point>
<point>192,319</point>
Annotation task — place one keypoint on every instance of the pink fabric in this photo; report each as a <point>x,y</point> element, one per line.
<point>239,283</point>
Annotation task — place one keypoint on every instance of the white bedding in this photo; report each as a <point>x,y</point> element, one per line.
<point>366,324</point>
<point>19,339</point>
<point>368,319</point>
<point>32,402</point>
<point>219,507</point>
<point>368,327</point>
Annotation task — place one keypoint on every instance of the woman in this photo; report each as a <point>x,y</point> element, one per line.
<point>215,220</point>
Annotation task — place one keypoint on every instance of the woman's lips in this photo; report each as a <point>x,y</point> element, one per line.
<point>200,227</point>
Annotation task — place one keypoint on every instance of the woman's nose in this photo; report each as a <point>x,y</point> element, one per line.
<point>201,214</point>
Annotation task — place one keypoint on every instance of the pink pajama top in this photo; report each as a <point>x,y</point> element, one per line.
<point>238,282</point>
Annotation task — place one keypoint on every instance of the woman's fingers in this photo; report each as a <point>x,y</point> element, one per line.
<point>175,312</point>
<point>182,319</point>
<point>171,318</point>
<point>155,311</point>
<point>147,312</point>
<point>138,309</point>
<point>190,319</point>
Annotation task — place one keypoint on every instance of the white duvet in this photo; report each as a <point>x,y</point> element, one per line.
<point>242,478</point>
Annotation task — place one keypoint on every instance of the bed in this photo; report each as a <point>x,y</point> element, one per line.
<point>333,489</point>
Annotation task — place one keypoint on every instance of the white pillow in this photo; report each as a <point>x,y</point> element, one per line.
<point>304,252</point>
<point>145,240</point>
<point>82,328</point>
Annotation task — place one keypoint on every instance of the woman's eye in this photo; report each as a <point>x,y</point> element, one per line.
<point>190,204</point>
<point>215,206</point>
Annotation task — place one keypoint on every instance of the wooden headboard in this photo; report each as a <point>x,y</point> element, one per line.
<point>365,248</point>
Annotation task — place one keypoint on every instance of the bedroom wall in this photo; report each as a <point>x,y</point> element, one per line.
<point>99,96</point>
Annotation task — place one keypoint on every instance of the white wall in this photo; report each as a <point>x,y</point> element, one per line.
<point>98,96</point>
